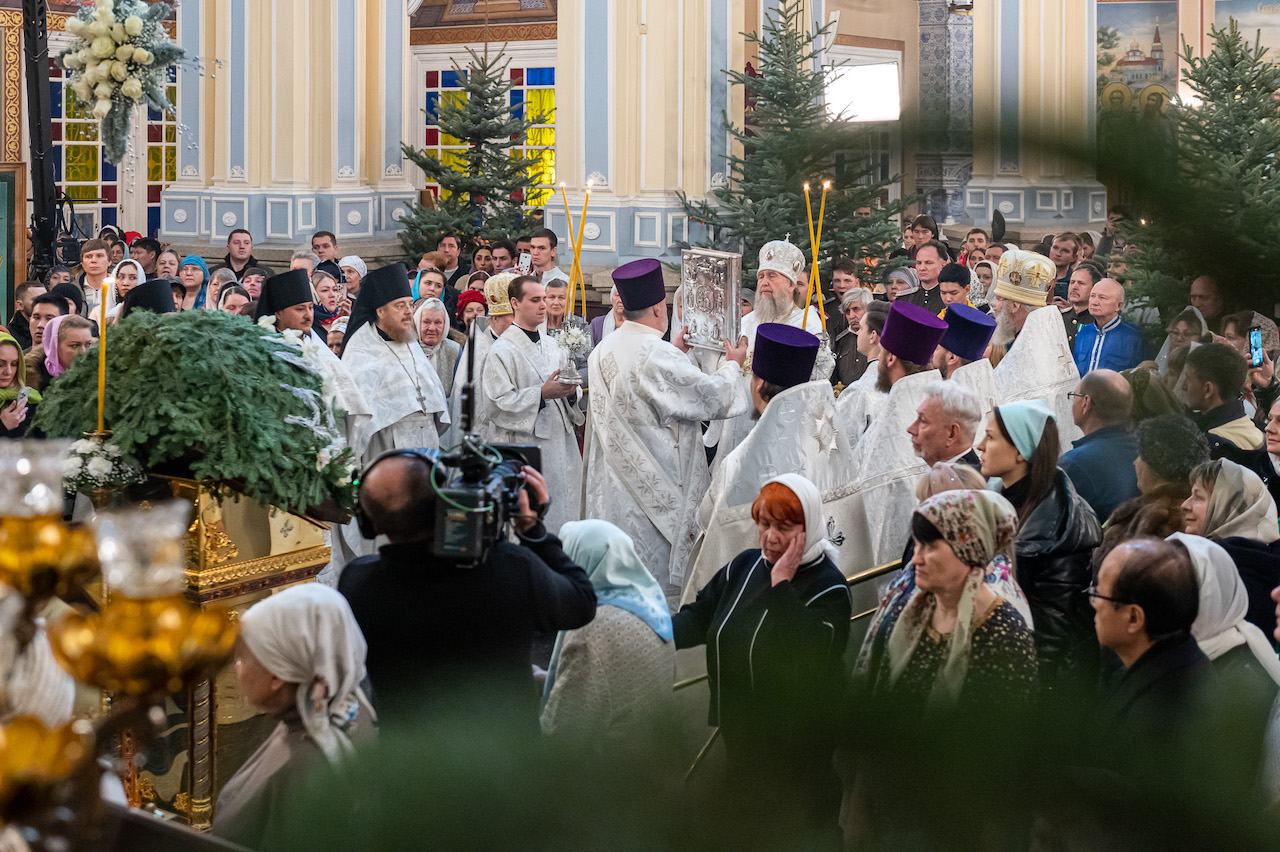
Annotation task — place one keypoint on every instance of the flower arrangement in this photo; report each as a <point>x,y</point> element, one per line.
<point>120,58</point>
<point>209,396</point>
<point>574,337</point>
<point>94,462</point>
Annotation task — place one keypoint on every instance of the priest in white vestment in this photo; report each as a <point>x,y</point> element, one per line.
<point>1040,363</point>
<point>645,466</point>
<point>482,340</point>
<point>888,466</point>
<point>527,404</point>
<point>962,354</point>
<point>780,298</point>
<point>859,402</point>
<point>382,353</point>
<point>285,304</point>
<point>795,432</point>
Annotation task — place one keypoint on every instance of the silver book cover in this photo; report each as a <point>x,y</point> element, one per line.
<point>711,297</point>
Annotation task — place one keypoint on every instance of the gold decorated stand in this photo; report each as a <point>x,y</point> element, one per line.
<point>237,554</point>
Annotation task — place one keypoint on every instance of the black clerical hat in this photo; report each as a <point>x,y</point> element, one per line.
<point>283,291</point>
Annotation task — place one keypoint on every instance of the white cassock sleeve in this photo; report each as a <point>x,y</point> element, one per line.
<point>678,390</point>
<point>510,406</point>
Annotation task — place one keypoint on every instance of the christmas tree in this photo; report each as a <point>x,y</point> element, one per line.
<point>1217,210</point>
<point>484,186</point>
<point>788,139</point>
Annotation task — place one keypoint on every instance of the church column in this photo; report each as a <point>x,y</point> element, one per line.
<point>944,159</point>
<point>298,121</point>
<point>1035,96</point>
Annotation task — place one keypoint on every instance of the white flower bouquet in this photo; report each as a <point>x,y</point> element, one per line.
<point>120,57</point>
<point>575,337</point>
<point>95,462</point>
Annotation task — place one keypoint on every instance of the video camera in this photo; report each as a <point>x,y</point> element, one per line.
<point>476,485</point>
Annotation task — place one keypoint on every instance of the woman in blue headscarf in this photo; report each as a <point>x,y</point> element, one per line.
<point>1057,532</point>
<point>609,681</point>
<point>193,272</point>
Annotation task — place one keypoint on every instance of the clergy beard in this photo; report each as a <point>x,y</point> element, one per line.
<point>884,383</point>
<point>774,308</point>
<point>1005,329</point>
<point>399,335</point>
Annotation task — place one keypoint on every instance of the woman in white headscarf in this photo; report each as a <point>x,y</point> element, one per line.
<point>300,658</point>
<point>127,274</point>
<point>443,353</point>
<point>1187,330</point>
<point>775,622</point>
<point>1239,650</point>
<point>610,681</point>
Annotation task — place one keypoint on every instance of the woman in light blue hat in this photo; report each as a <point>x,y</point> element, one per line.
<point>1057,532</point>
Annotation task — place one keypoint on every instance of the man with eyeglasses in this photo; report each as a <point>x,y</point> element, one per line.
<point>1100,463</point>
<point>1144,602</point>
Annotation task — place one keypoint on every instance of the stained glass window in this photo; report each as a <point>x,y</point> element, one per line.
<point>101,191</point>
<point>533,89</point>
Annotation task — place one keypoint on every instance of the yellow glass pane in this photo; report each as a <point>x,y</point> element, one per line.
<point>80,131</point>
<point>170,164</point>
<point>171,92</point>
<point>82,163</point>
<point>71,107</point>
<point>81,192</point>
<point>155,164</point>
<point>171,133</point>
<point>452,159</point>
<point>542,137</point>
<point>538,197</point>
<point>542,102</point>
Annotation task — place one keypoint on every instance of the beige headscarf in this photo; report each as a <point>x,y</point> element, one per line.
<point>308,635</point>
<point>1240,505</point>
<point>977,525</point>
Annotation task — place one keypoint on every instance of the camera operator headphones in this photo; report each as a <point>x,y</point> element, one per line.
<point>363,522</point>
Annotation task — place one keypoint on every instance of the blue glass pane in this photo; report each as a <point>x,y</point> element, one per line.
<point>433,98</point>
<point>108,170</point>
<point>154,114</point>
<point>55,99</point>
<point>153,220</point>
<point>540,77</point>
<point>173,74</point>
<point>517,96</point>
<point>517,104</point>
<point>452,79</point>
<point>57,163</point>
<point>108,215</point>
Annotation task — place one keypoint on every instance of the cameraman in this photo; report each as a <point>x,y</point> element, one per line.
<point>447,637</point>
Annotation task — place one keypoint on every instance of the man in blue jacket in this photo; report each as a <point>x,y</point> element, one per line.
<point>1100,465</point>
<point>1109,343</point>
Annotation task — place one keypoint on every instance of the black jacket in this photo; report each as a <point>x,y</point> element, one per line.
<point>20,327</point>
<point>441,635</point>
<point>1161,685</point>
<point>248,264</point>
<point>21,429</point>
<point>1054,548</point>
<point>1259,567</point>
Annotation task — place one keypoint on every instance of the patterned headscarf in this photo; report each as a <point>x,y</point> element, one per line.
<point>977,525</point>
<point>1240,504</point>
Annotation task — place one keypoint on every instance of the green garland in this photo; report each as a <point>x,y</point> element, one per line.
<point>211,390</point>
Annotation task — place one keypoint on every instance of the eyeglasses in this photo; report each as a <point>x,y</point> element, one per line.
<point>1092,592</point>
<point>1073,395</point>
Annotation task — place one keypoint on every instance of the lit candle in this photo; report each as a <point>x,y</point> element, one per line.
<point>577,253</point>
<point>107,283</point>
<point>569,224</point>
<point>815,240</point>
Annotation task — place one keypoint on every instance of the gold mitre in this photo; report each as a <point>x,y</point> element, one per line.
<point>1024,276</point>
<point>495,293</point>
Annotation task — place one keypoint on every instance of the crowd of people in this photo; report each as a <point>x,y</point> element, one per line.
<point>1046,508</point>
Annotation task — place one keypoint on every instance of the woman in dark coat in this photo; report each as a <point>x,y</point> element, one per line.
<point>1057,532</point>
<point>775,621</point>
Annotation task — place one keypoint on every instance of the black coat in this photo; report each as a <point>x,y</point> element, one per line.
<point>439,634</point>
<point>1259,567</point>
<point>20,328</point>
<point>21,429</point>
<point>1160,685</point>
<point>1054,548</point>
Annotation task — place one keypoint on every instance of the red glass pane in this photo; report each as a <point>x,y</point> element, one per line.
<point>433,79</point>
<point>155,133</point>
<point>433,137</point>
<point>57,132</point>
<point>153,193</point>
<point>109,193</point>
<point>517,76</point>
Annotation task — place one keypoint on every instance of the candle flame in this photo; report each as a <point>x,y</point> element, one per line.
<point>110,279</point>
<point>806,186</point>
<point>562,184</point>
<point>826,184</point>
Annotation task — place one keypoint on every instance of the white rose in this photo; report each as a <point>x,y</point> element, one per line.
<point>143,57</point>
<point>101,108</point>
<point>84,92</point>
<point>267,323</point>
<point>104,4</point>
<point>103,46</point>
<point>119,72</point>
<point>131,89</point>
<point>124,52</point>
<point>111,450</point>
<point>71,61</point>
<point>84,445</point>
<point>75,26</point>
<point>291,336</point>
<point>70,467</point>
<point>97,28</point>
<point>105,15</point>
<point>117,33</point>
<point>99,467</point>
<point>104,90</point>
<point>133,25</point>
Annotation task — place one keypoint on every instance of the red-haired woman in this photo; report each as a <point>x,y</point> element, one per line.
<point>775,621</point>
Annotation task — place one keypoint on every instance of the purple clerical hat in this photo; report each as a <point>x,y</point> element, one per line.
<point>912,332</point>
<point>784,355</point>
<point>969,331</point>
<point>640,284</point>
